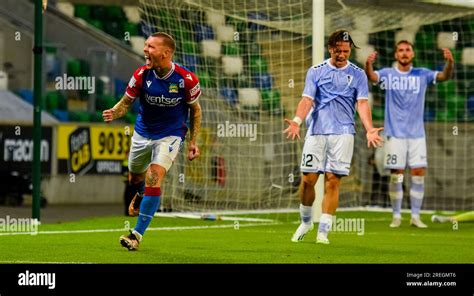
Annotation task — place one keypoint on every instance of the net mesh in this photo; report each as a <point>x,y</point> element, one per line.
<point>251,58</point>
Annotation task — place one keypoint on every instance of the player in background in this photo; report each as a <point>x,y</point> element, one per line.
<point>167,93</point>
<point>335,88</point>
<point>405,88</point>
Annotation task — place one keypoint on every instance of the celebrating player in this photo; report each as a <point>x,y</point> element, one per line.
<point>405,88</point>
<point>335,87</point>
<point>167,92</point>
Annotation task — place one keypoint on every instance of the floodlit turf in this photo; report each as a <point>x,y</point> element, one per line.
<point>181,243</point>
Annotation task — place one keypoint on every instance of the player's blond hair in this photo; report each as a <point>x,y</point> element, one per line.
<point>168,40</point>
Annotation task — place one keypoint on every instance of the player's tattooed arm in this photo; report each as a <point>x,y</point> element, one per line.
<point>119,110</point>
<point>448,67</point>
<point>195,122</point>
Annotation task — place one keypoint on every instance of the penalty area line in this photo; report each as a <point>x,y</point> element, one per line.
<point>177,228</point>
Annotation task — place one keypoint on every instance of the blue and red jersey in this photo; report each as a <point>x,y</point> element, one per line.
<point>163,101</point>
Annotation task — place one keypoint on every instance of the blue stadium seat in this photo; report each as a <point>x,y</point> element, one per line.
<point>147,29</point>
<point>26,95</point>
<point>430,114</point>
<point>61,115</point>
<point>229,95</point>
<point>189,61</point>
<point>120,87</point>
<point>203,32</point>
<point>263,81</point>
<point>470,104</point>
<point>257,16</point>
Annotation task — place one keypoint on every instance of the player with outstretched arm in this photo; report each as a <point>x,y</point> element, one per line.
<point>405,88</point>
<point>333,90</point>
<point>167,93</point>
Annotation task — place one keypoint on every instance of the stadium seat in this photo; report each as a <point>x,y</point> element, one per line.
<point>114,28</point>
<point>82,11</point>
<point>74,67</point>
<point>445,40</point>
<point>215,18</point>
<point>211,48</point>
<point>103,86</point>
<point>470,103</point>
<point>96,117</point>
<point>446,89</point>
<point>104,102</point>
<point>52,66</point>
<point>262,81</point>
<point>229,95</point>
<point>446,115</point>
<point>430,114</point>
<point>258,65</point>
<point>96,24</point>
<point>132,28</point>
<point>26,95</point>
<point>425,40</point>
<point>232,65</point>
<point>249,97</point>
<point>114,13</point>
<point>468,56</point>
<point>62,101</point>
<point>132,13</point>
<point>271,100</point>
<point>258,16</point>
<point>79,116</point>
<point>61,115</point>
<point>146,29</point>
<point>190,61</point>
<point>203,32</point>
<point>456,103</point>
<point>3,80</point>
<point>231,48</point>
<point>119,87</point>
<point>225,33</point>
<point>52,101</point>
<point>254,49</point>
<point>378,113</point>
<point>66,8</point>
<point>98,12</point>
<point>138,43</point>
<point>204,79</point>
<point>189,47</point>
<point>130,118</point>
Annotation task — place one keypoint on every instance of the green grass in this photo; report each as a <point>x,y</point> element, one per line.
<point>249,244</point>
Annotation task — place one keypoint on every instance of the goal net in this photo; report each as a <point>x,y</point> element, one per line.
<point>251,58</point>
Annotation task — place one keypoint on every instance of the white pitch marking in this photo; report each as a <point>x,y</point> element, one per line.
<point>148,229</point>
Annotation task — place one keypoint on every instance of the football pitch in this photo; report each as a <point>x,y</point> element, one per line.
<point>180,240</point>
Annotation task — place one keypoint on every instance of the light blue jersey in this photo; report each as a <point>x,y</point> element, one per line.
<point>335,92</point>
<point>405,100</point>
